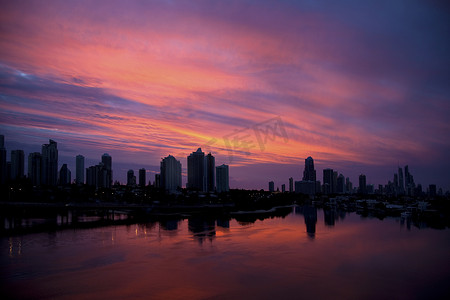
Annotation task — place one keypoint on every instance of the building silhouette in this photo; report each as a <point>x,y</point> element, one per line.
<point>2,160</point>
<point>157,181</point>
<point>17,164</point>
<point>328,181</point>
<point>142,177</point>
<point>209,174</point>
<point>79,176</point>
<point>50,163</point>
<point>35,168</point>
<point>107,171</point>
<point>196,170</point>
<point>362,184</point>
<point>131,179</point>
<point>222,179</point>
<point>170,174</point>
<point>340,188</point>
<point>271,186</point>
<point>309,174</point>
<point>65,176</point>
<point>291,184</point>
<point>401,187</point>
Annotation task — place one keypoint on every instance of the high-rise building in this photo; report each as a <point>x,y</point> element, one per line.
<point>334,185</point>
<point>196,170</point>
<point>35,168</point>
<point>362,184</point>
<point>65,176</point>
<point>157,181</point>
<point>131,179</point>
<point>309,174</point>
<point>2,160</point>
<point>79,169</point>
<point>222,179</point>
<point>400,181</point>
<point>107,163</point>
<point>327,181</point>
<point>17,164</point>
<point>348,185</point>
<point>142,177</point>
<point>271,186</point>
<point>283,188</point>
<point>50,163</point>
<point>170,174</point>
<point>209,174</point>
<point>340,189</point>
<point>291,184</point>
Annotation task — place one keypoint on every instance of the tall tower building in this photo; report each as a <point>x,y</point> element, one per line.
<point>309,174</point>
<point>2,160</point>
<point>131,179</point>
<point>35,168</point>
<point>17,164</point>
<point>400,181</point>
<point>340,184</point>
<point>327,181</point>
<point>50,163</point>
<point>222,179</point>
<point>79,169</point>
<point>195,170</point>
<point>209,174</point>
<point>291,184</point>
<point>271,186</point>
<point>362,184</point>
<point>107,163</point>
<point>142,177</point>
<point>65,176</point>
<point>170,174</point>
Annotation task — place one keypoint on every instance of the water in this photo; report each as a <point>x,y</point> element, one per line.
<point>305,254</point>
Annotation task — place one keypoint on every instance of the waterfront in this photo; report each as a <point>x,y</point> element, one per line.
<point>306,253</point>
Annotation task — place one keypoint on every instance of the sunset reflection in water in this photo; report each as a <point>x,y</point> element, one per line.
<point>308,253</point>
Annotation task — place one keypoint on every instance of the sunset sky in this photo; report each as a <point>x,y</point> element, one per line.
<point>361,86</point>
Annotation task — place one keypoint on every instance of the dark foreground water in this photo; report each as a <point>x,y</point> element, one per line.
<point>308,254</point>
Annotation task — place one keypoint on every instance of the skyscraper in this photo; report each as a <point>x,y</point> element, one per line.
<point>50,163</point>
<point>2,160</point>
<point>291,184</point>
<point>309,174</point>
<point>327,181</point>
<point>400,181</point>
<point>65,176</point>
<point>107,163</point>
<point>131,179</point>
<point>222,179</point>
<point>271,186</point>
<point>362,184</point>
<point>17,164</point>
<point>196,170</point>
<point>80,169</point>
<point>340,184</point>
<point>142,177</point>
<point>170,174</point>
<point>35,168</point>
<point>209,174</point>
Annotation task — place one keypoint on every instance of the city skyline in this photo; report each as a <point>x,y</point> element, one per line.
<point>362,88</point>
<point>100,175</point>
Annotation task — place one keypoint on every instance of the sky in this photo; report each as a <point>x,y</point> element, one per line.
<point>360,86</point>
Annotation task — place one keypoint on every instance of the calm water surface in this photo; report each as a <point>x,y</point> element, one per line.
<point>307,254</point>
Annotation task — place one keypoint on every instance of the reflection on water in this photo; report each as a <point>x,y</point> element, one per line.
<point>297,252</point>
